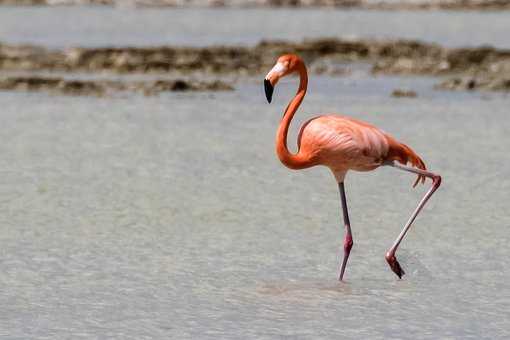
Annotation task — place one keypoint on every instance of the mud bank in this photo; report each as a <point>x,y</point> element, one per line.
<point>106,87</point>
<point>476,83</point>
<point>359,4</point>
<point>435,60</point>
<point>323,56</point>
<point>393,57</point>
<point>402,93</point>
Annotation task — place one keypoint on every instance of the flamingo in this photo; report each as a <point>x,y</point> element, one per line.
<point>342,143</point>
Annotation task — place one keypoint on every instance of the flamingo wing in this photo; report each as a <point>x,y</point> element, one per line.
<point>344,143</point>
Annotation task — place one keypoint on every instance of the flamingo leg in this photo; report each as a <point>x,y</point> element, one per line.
<point>348,234</point>
<point>436,182</point>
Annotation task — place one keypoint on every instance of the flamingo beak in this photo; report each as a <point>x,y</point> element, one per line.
<point>272,78</point>
<point>268,89</point>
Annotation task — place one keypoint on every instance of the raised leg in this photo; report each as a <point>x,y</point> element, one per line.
<point>436,182</point>
<point>348,235</point>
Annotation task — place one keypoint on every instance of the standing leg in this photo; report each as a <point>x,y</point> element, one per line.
<point>436,181</point>
<point>348,235</point>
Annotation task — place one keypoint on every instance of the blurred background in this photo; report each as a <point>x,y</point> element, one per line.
<point>141,197</point>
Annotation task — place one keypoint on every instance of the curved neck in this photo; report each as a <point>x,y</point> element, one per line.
<point>293,161</point>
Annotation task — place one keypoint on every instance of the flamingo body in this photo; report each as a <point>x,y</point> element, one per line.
<point>343,143</point>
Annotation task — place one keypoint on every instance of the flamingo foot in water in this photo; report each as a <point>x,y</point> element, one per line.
<point>394,265</point>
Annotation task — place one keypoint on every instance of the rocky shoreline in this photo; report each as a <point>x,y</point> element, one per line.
<point>485,67</point>
<point>391,57</point>
<point>470,83</point>
<point>490,5</point>
<point>101,88</point>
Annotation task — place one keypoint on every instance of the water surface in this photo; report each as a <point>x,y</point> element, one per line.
<point>170,217</point>
<point>99,26</point>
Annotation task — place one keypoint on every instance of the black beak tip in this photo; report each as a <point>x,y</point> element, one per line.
<point>269,90</point>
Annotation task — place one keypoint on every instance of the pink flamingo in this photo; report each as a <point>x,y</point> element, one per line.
<point>343,144</point>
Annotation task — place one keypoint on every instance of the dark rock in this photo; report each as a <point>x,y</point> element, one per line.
<point>469,83</point>
<point>399,93</point>
<point>102,87</point>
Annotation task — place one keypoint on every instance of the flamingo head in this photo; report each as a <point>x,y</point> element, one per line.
<point>285,65</point>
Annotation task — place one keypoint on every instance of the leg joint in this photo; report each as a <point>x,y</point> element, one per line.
<point>390,256</point>
<point>348,243</point>
<point>436,181</point>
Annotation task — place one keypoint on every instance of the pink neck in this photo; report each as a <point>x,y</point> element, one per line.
<point>293,161</point>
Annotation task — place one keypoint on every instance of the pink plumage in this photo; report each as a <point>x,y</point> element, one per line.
<point>342,143</point>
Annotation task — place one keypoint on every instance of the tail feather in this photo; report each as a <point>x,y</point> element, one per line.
<point>404,154</point>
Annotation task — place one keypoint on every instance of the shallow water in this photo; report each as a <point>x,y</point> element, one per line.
<point>97,26</point>
<point>170,217</point>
